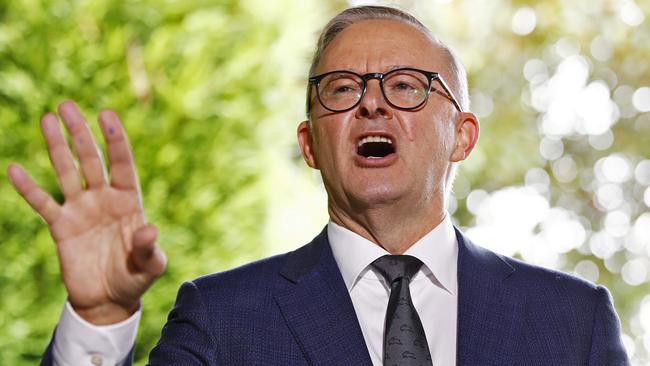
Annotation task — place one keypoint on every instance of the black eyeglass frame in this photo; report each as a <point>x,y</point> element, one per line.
<point>431,77</point>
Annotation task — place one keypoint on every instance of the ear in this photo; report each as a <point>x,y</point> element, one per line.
<point>306,142</point>
<point>467,132</point>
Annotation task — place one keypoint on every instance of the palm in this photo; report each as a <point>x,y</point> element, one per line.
<point>94,238</point>
<point>107,253</point>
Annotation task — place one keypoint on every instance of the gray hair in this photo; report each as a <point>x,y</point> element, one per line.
<point>358,14</point>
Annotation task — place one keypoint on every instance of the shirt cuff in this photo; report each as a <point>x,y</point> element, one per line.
<point>78,342</point>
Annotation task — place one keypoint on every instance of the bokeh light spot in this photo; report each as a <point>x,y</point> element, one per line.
<point>534,68</point>
<point>641,99</point>
<point>603,245</point>
<point>601,49</point>
<point>595,109</point>
<point>587,270</point>
<point>567,47</point>
<point>603,141</point>
<point>565,169</point>
<point>644,314</point>
<point>474,199</point>
<point>642,172</point>
<point>635,272</point>
<point>631,14</point>
<point>639,241</point>
<point>551,148</point>
<point>561,231</point>
<point>609,196</point>
<point>524,21</point>
<point>617,223</point>
<point>537,179</point>
<point>506,218</point>
<point>614,168</point>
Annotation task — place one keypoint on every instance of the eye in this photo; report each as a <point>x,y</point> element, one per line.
<point>403,86</point>
<point>404,83</point>
<point>342,89</point>
<point>339,87</point>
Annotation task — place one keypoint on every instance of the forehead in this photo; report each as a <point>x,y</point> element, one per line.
<point>378,45</point>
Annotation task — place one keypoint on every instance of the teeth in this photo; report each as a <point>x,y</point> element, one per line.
<point>374,139</point>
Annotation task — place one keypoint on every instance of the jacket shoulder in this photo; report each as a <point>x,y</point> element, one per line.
<point>255,277</point>
<point>262,277</point>
<point>526,276</point>
<point>545,278</point>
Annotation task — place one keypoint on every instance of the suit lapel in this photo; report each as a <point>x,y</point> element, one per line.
<point>317,307</point>
<point>487,307</point>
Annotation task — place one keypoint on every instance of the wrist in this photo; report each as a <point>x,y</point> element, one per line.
<point>106,314</point>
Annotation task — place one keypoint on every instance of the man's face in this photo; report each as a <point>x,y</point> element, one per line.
<point>425,142</point>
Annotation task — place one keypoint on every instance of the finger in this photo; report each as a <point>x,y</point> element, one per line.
<point>40,201</point>
<point>147,256</point>
<point>88,153</point>
<point>120,157</point>
<point>60,156</point>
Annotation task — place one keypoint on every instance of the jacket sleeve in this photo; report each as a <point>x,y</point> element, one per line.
<point>186,338</point>
<point>47,359</point>
<point>606,345</point>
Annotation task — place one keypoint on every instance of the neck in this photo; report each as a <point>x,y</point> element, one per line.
<point>393,228</point>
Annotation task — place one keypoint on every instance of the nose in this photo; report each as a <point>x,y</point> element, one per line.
<point>373,104</point>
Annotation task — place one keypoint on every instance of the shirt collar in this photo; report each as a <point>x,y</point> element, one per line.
<point>438,250</point>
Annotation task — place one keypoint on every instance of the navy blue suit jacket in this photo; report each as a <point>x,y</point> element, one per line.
<point>294,309</point>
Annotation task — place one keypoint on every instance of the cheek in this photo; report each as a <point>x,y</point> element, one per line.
<point>328,151</point>
<point>330,137</point>
<point>435,151</point>
<point>434,142</point>
<point>445,138</point>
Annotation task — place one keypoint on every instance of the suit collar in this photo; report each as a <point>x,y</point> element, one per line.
<point>437,249</point>
<point>317,307</point>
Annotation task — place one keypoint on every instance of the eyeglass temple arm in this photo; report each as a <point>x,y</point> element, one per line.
<point>447,94</point>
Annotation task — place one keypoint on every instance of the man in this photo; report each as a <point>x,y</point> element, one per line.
<point>388,123</point>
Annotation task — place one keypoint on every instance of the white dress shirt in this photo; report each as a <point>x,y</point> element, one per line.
<point>434,288</point>
<point>77,342</point>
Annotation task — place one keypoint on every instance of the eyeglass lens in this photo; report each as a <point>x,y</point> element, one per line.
<point>403,88</point>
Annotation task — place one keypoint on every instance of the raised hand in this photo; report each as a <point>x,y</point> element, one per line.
<point>106,250</point>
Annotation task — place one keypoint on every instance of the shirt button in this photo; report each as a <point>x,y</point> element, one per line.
<point>96,360</point>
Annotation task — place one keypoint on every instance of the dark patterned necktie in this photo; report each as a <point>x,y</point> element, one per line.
<point>405,343</point>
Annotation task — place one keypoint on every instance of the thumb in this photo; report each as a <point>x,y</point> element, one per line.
<point>147,256</point>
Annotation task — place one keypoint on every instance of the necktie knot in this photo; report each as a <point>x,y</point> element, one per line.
<point>394,267</point>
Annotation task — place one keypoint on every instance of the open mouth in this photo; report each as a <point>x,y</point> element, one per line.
<point>375,147</point>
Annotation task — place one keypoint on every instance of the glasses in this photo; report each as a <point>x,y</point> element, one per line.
<point>405,88</point>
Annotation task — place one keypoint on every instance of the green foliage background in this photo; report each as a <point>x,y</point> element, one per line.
<point>188,80</point>
<point>210,93</point>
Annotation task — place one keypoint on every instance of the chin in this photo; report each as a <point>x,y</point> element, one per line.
<point>377,195</point>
